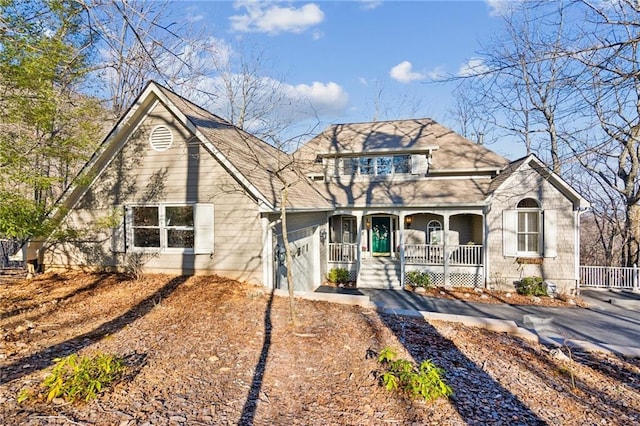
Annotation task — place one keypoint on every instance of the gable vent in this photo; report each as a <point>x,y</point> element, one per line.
<point>161,138</point>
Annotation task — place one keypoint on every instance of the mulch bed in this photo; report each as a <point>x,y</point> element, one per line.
<point>211,351</point>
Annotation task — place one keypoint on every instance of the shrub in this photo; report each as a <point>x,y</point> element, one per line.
<point>531,286</point>
<point>338,275</point>
<point>76,378</point>
<point>419,279</point>
<point>423,381</point>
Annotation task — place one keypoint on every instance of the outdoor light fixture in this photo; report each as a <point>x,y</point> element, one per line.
<point>408,220</point>
<point>368,224</point>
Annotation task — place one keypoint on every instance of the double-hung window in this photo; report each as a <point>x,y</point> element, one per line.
<point>528,228</point>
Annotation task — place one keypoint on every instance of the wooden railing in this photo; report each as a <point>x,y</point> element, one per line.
<point>425,254</point>
<point>339,252</point>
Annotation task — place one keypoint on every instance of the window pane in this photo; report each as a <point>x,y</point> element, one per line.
<point>533,243</point>
<point>532,222</point>
<point>349,166</point>
<point>384,165</point>
<point>522,222</point>
<point>528,202</point>
<point>179,215</point>
<point>402,164</point>
<point>145,216</point>
<point>366,166</point>
<point>146,237</point>
<point>522,242</point>
<point>180,238</point>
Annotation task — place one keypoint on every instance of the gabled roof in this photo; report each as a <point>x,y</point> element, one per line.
<point>256,163</point>
<point>540,167</point>
<point>252,162</point>
<point>450,151</point>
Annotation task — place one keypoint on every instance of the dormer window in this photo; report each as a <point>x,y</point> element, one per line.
<point>376,165</point>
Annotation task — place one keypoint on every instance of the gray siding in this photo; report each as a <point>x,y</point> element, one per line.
<point>504,270</point>
<point>186,172</point>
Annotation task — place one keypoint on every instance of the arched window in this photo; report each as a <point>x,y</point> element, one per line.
<point>434,232</point>
<point>529,225</point>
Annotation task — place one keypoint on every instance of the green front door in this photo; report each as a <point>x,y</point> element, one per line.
<point>381,235</point>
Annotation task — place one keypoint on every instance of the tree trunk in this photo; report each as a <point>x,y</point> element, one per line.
<point>284,196</point>
<point>632,226</point>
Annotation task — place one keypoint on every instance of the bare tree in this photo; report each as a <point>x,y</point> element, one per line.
<point>609,88</point>
<point>570,71</point>
<point>520,86</point>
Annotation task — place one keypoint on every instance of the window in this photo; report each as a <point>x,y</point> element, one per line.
<point>174,227</point>
<point>377,166</point>
<point>402,164</point>
<point>528,226</point>
<point>434,232</point>
<point>367,166</point>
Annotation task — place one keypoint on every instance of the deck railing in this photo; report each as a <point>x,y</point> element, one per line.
<point>343,252</point>
<point>610,277</point>
<point>425,254</point>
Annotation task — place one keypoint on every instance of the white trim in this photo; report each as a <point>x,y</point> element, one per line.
<point>210,147</point>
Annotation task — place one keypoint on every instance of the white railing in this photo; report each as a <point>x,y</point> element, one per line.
<point>339,252</point>
<point>465,255</point>
<point>425,254</point>
<point>610,277</point>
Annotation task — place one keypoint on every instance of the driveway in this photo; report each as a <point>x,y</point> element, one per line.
<point>611,323</point>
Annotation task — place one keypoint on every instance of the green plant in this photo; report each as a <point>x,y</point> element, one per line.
<point>338,275</point>
<point>76,378</point>
<point>419,279</point>
<point>425,381</point>
<point>531,286</point>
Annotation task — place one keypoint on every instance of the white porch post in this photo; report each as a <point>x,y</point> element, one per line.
<point>359,232</point>
<point>445,248</point>
<point>401,241</point>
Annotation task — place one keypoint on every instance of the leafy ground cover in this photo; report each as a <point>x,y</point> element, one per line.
<point>209,350</point>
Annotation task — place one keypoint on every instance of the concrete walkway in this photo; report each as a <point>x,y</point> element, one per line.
<point>610,324</point>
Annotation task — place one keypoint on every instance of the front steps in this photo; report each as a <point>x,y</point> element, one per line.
<point>380,272</point>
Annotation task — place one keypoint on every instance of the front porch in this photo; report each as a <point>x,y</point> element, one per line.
<point>427,242</point>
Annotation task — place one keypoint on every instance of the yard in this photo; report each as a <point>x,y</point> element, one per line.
<point>207,350</point>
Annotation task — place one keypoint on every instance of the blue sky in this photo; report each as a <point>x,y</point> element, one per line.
<point>345,57</point>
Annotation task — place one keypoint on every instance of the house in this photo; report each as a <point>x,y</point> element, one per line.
<point>176,189</point>
<point>414,195</point>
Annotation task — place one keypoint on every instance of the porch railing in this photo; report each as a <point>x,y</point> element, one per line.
<point>339,252</point>
<point>610,277</point>
<point>425,254</point>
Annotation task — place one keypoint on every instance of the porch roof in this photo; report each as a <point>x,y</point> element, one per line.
<point>420,193</point>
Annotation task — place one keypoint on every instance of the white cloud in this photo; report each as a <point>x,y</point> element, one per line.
<point>270,18</point>
<point>500,7</point>
<point>370,4</point>
<point>404,74</point>
<point>297,103</point>
<point>317,35</point>
<point>323,98</point>
<point>473,66</point>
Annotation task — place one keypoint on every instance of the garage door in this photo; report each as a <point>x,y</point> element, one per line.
<point>303,253</point>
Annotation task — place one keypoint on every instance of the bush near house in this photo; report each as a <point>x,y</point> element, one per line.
<point>419,279</point>
<point>338,275</point>
<point>531,286</point>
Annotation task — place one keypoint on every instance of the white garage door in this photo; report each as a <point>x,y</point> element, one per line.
<point>303,253</point>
